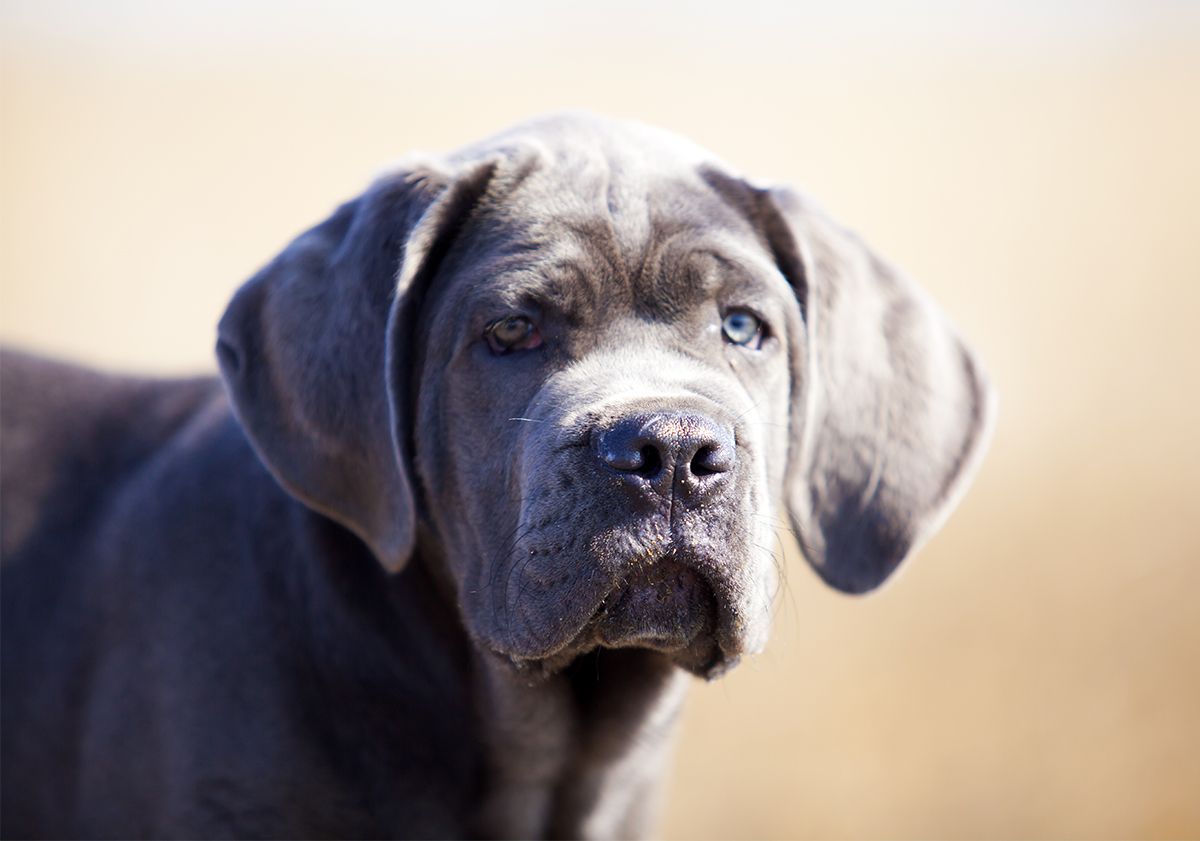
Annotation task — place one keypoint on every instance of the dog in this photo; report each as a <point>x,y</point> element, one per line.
<point>498,458</point>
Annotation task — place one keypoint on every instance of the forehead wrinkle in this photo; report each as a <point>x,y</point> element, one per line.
<point>674,279</point>
<point>625,220</point>
<point>684,221</point>
<point>596,238</point>
<point>622,275</point>
<point>608,206</point>
<point>579,190</point>
<point>628,210</point>
<point>738,259</point>
<point>559,285</point>
<point>732,269</point>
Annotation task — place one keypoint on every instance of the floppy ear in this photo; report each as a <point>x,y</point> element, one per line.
<point>891,411</point>
<point>315,354</point>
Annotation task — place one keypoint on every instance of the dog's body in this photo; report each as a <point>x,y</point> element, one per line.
<point>498,459</point>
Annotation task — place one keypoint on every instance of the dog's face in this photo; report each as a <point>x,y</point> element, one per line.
<point>603,410</point>
<point>610,373</point>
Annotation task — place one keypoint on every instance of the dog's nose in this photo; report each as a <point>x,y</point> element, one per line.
<point>681,453</point>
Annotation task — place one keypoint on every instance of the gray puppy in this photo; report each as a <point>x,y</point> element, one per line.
<point>499,457</point>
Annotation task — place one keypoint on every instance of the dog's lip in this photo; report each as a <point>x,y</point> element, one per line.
<point>666,607</point>
<point>590,616</point>
<point>662,604</point>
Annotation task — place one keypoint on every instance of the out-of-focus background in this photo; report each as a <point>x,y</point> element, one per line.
<point>1035,672</point>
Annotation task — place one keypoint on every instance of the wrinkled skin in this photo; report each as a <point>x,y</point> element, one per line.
<point>559,557</point>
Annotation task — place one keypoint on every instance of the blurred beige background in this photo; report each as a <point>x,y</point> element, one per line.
<point>1035,672</point>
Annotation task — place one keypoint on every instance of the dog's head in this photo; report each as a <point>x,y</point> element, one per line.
<point>599,373</point>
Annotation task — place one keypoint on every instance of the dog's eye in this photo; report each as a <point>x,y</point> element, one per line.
<point>516,332</point>
<point>742,328</point>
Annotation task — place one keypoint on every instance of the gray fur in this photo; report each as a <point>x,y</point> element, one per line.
<point>384,583</point>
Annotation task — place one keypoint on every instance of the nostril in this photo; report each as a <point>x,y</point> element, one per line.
<point>711,459</point>
<point>700,462</point>
<point>651,462</point>
<point>627,457</point>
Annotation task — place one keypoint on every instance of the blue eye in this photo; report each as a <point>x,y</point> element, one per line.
<point>742,328</point>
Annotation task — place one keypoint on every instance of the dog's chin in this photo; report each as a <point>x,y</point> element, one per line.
<point>661,606</point>
<point>666,607</point>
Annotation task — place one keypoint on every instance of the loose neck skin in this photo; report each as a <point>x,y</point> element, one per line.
<point>578,753</point>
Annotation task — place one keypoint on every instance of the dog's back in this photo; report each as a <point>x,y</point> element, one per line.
<point>67,434</point>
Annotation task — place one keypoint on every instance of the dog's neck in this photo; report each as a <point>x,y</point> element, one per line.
<point>579,753</point>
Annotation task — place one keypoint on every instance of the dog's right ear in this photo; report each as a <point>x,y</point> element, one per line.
<point>314,351</point>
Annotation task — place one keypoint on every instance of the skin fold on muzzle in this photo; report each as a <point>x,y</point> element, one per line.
<point>654,530</point>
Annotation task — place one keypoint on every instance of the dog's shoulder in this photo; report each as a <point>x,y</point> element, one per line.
<point>156,556</point>
<point>64,427</point>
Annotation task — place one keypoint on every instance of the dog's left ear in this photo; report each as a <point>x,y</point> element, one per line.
<point>891,411</point>
<point>315,351</point>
